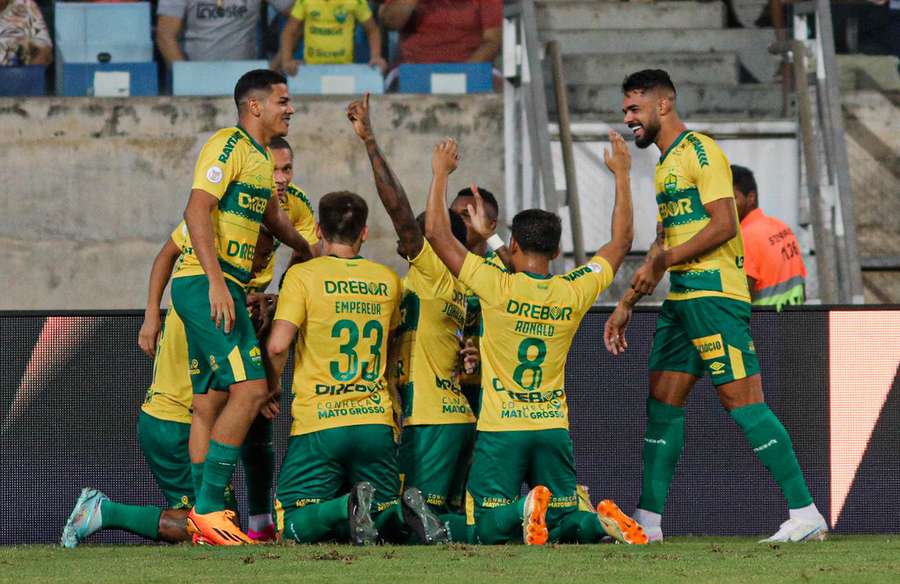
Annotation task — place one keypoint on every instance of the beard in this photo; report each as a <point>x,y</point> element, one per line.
<point>649,137</point>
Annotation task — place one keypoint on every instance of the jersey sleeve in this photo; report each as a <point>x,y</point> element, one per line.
<point>215,169</point>
<point>176,8</point>
<point>292,298</point>
<point>489,282</point>
<point>589,280</point>
<point>433,274</point>
<point>304,218</point>
<point>180,236</point>
<point>712,173</point>
<point>362,11</point>
<point>299,10</point>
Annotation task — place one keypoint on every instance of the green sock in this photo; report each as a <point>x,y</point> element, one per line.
<point>258,458</point>
<point>773,447</point>
<point>313,523</point>
<point>196,478</point>
<point>578,527</point>
<point>663,443</point>
<point>140,520</point>
<point>501,524</point>
<point>217,470</point>
<point>458,529</point>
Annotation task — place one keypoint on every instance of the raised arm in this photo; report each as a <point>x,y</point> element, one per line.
<point>159,277</point>
<point>618,160</point>
<point>444,161</point>
<point>390,191</point>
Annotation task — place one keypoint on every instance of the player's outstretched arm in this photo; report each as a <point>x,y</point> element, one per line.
<point>486,228</point>
<point>390,191</point>
<point>444,161</point>
<point>618,160</point>
<point>277,221</point>
<point>199,224</point>
<point>159,278</point>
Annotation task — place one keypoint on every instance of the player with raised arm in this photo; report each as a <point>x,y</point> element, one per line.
<point>231,197</point>
<point>704,324</point>
<point>343,307</point>
<point>530,319</point>
<point>438,424</point>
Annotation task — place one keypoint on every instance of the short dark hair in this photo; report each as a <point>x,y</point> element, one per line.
<point>255,80</point>
<point>742,178</point>
<point>279,143</point>
<point>486,195</point>
<point>538,231</point>
<point>648,80</point>
<point>342,216</point>
<point>457,225</point>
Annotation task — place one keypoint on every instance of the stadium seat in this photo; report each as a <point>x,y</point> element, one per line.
<point>22,81</point>
<point>447,78</point>
<point>336,80</point>
<point>98,45</point>
<point>210,77</point>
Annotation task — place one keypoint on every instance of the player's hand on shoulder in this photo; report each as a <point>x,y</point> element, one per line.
<point>445,158</point>
<point>148,336</point>
<point>614,330</point>
<point>617,157</point>
<point>358,114</point>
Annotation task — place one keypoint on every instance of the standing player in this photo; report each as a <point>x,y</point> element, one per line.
<point>343,307</point>
<point>530,319</point>
<point>704,324</point>
<point>230,198</point>
<point>438,424</point>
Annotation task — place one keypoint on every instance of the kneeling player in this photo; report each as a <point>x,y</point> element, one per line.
<point>530,319</point>
<point>343,307</point>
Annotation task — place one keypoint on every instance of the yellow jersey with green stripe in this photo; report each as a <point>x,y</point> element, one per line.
<point>299,210</point>
<point>529,324</point>
<point>472,330</point>
<point>690,174</point>
<point>345,310</point>
<point>432,317</point>
<point>170,395</point>
<point>238,171</point>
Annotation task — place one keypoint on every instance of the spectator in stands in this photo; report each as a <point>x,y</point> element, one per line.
<point>24,39</point>
<point>210,30</point>
<point>328,27</point>
<point>775,271</point>
<point>445,31</point>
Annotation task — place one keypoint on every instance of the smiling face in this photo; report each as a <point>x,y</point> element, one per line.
<point>283,161</point>
<point>642,116</point>
<point>276,110</point>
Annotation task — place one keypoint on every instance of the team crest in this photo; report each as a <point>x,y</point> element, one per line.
<point>671,184</point>
<point>340,14</point>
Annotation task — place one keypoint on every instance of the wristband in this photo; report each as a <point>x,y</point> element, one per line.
<point>495,242</point>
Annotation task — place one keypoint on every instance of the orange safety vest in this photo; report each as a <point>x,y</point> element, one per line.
<point>772,258</point>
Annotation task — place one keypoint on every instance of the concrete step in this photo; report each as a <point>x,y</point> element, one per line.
<point>751,45</point>
<point>581,15</point>
<point>752,101</point>
<point>717,68</point>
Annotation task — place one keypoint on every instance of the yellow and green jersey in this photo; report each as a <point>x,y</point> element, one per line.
<point>329,27</point>
<point>529,324</point>
<point>344,310</point>
<point>690,174</point>
<point>236,170</point>
<point>432,317</point>
<point>170,395</point>
<point>299,210</point>
<point>472,330</point>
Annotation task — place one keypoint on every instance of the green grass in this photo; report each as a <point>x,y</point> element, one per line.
<point>841,559</point>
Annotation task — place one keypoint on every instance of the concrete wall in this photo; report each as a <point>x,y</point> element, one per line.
<point>92,187</point>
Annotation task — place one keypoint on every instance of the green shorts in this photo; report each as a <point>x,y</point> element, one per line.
<point>504,460</point>
<point>217,359</point>
<point>705,334</point>
<point>435,459</point>
<point>165,448</point>
<point>324,465</point>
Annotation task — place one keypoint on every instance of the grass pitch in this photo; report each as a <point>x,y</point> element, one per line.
<point>841,559</point>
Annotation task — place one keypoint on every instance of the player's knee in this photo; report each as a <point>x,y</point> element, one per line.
<point>740,393</point>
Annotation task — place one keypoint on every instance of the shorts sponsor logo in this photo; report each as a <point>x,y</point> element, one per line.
<point>718,368</point>
<point>212,363</point>
<point>710,347</point>
<point>195,367</point>
<point>214,174</point>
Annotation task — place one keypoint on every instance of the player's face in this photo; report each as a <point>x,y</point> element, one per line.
<point>459,206</point>
<point>743,203</point>
<point>641,116</point>
<point>284,170</point>
<point>277,110</point>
